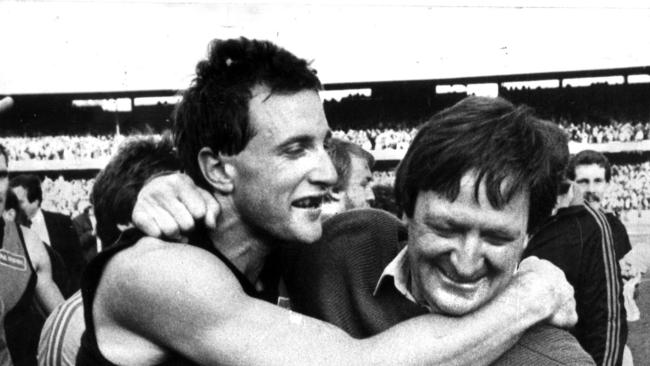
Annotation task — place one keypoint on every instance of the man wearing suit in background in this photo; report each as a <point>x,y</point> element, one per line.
<point>54,229</point>
<point>84,224</point>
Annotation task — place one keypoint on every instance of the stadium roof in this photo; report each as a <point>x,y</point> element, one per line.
<point>104,46</point>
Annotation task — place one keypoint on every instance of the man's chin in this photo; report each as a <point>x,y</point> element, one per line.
<point>455,306</point>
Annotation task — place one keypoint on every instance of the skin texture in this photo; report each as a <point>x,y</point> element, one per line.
<point>463,253</point>
<point>591,180</point>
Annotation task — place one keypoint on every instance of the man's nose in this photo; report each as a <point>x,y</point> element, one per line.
<point>323,173</point>
<point>468,258</point>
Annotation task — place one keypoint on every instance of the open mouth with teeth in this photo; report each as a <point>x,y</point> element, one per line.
<point>455,277</point>
<point>308,202</point>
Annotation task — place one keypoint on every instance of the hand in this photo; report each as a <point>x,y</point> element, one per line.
<point>169,205</point>
<point>545,290</point>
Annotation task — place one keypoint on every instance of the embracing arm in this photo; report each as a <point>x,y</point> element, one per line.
<point>204,315</point>
<point>48,294</point>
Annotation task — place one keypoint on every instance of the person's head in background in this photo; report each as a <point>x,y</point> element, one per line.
<point>12,210</point>
<point>477,179</point>
<point>591,171</point>
<point>27,188</point>
<point>353,188</point>
<point>117,185</point>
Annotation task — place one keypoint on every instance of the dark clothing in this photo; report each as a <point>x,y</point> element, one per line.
<point>619,233</point>
<point>17,284</point>
<point>64,241</point>
<point>88,241</point>
<point>578,240</point>
<point>26,321</point>
<point>89,353</point>
<point>335,278</point>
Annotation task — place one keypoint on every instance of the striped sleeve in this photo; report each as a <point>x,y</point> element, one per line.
<point>61,334</point>
<point>607,346</point>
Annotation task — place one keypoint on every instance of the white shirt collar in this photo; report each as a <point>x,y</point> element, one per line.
<point>399,270</point>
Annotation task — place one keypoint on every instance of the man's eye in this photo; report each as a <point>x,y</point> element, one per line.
<point>294,150</point>
<point>444,232</point>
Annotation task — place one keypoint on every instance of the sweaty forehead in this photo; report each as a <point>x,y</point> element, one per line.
<point>278,116</point>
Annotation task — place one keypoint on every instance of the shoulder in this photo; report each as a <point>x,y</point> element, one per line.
<point>35,247</point>
<point>55,216</point>
<point>546,345</point>
<point>361,226</point>
<point>153,270</point>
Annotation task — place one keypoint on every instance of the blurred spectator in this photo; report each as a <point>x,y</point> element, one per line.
<point>85,225</point>
<point>54,229</point>
<point>353,187</point>
<point>592,173</point>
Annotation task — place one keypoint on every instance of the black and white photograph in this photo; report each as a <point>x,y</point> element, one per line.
<point>360,182</point>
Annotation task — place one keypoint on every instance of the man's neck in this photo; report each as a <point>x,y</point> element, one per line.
<point>245,248</point>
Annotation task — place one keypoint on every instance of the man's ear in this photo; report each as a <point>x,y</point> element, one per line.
<point>218,173</point>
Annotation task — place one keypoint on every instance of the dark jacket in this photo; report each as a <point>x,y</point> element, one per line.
<point>87,238</point>
<point>64,241</point>
<point>579,240</point>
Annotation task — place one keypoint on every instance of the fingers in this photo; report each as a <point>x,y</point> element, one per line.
<point>566,316</point>
<point>212,209</point>
<point>169,205</point>
<point>144,220</point>
<point>158,209</point>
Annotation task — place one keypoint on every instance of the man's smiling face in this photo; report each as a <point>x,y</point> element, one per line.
<point>462,253</point>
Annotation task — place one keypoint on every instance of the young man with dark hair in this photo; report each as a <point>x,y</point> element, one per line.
<point>587,244</point>
<point>475,270</point>
<point>353,187</point>
<point>592,172</point>
<point>53,228</point>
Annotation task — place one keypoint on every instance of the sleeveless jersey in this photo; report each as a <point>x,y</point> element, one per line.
<point>18,279</point>
<point>89,353</point>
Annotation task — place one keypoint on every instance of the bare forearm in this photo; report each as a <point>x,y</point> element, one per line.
<point>476,339</point>
<point>48,294</point>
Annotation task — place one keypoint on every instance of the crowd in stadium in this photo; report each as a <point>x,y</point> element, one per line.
<point>395,137</point>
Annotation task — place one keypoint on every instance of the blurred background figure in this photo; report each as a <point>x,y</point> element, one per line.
<point>592,172</point>
<point>27,290</point>
<point>85,225</point>
<point>114,194</point>
<point>353,188</point>
<point>54,229</point>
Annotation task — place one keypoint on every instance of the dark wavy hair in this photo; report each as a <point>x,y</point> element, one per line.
<point>214,109</point>
<point>32,185</point>
<point>509,149</point>
<point>589,157</point>
<point>117,186</point>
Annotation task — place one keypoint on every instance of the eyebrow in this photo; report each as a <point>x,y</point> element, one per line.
<point>433,219</point>
<point>300,139</point>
